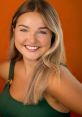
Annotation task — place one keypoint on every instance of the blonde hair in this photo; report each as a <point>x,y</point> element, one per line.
<point>51,59</point>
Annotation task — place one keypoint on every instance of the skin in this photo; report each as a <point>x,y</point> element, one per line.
<point>62,94</point>
<point>32,39</point>
<point>29,34</point>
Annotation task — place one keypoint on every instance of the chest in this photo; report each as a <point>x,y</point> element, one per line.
<point>19,87</point>
<point>12,108</point>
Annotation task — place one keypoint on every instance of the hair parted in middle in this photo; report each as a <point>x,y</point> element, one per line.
<point>52,58</point>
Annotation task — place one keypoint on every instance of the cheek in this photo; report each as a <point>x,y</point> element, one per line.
<point>46,42</point>
<point>18,38</point>
<point>18,41</point>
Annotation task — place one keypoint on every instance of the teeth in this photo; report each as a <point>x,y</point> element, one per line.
<point>32,47</point>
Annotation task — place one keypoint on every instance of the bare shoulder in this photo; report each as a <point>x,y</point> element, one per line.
<point>67,89</point>
<point>66,76</point>
<point>4,70</point>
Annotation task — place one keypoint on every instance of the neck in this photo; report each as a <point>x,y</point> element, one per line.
<point>30,65</point>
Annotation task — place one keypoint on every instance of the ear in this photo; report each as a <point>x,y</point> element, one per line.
<point>13,31</point>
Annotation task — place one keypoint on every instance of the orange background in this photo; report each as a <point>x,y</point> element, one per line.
<point>71,17</point>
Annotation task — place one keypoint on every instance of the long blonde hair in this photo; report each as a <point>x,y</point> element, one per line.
<point>52,58</point>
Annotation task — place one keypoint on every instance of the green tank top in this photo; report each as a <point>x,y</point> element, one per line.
<point>10,107</point>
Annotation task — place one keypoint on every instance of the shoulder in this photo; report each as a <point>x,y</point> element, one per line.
<point>67,89</point>
<point>4,70</point>
<point>66,78</point>
<point>57,81</point>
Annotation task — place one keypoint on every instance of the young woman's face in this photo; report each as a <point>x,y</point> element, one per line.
<point>32,37</point>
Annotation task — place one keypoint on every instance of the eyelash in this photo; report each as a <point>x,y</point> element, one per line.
<point>23,30</point>
<point>43,32</point>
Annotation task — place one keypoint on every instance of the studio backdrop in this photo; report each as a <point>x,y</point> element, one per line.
<point>70,12</point>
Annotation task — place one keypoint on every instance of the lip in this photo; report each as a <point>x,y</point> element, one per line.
<point>31,48</point>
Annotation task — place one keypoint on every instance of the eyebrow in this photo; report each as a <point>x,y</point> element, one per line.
<point>39,27</point>
<point>23,26</point>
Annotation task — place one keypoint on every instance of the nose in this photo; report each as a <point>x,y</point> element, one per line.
<point>32,38</point>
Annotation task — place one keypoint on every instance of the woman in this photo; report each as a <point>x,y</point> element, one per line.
<point>37,81</point>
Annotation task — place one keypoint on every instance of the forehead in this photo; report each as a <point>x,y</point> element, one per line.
<point>31,18</point>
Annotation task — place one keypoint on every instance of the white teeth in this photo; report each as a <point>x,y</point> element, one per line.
<point>31,47</point>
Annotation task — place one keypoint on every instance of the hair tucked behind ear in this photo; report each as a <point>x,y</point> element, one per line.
<point>51,60</point>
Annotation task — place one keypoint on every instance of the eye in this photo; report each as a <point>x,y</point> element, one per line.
<point>43,32</point>
<point>23,30</point>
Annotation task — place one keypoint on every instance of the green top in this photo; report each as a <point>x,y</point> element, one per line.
<point>10,107</point>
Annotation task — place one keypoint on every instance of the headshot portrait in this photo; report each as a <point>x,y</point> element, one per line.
<point>40,58</point>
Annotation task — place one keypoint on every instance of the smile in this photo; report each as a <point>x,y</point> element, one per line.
<point>31,48</point>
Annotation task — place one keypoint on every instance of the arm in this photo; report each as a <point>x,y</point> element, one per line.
<point>67,89</point>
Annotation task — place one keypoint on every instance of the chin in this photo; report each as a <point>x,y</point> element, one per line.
<point>32,58</point>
